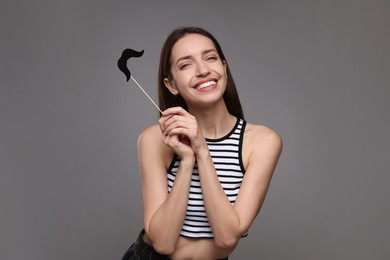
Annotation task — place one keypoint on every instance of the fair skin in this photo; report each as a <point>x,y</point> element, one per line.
<point>199,75</point>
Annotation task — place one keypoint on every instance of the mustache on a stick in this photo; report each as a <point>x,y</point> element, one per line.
<point>122,65</point>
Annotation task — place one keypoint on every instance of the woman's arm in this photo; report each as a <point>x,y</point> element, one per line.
<point>164,212</point>
<point>262,147</point>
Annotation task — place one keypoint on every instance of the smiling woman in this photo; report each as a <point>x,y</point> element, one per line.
<point>211,169</point>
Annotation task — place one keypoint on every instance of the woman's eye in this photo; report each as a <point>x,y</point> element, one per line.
<point>211,58</point>
<point>184,66</point>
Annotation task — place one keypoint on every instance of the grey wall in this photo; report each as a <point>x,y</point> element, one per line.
<point>316,71</point>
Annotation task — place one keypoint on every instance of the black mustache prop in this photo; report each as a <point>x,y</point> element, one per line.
<point>122,62</point>
<point>122,65</point>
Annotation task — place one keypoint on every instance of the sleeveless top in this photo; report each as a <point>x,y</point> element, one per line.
<point>226,153</point>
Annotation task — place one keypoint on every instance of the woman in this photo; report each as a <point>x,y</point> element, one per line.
<point>205,171</point>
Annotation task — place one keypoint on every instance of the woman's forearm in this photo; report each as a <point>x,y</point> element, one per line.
<point>223,218</point>
<point>165,225</point>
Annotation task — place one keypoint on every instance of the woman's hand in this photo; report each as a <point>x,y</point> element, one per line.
<point>181,132</point>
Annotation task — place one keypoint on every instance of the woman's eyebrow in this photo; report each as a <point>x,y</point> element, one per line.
<point>208,51</point>
<point>187,57</point>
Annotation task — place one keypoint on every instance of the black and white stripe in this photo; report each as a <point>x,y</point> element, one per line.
<point>227,157</point>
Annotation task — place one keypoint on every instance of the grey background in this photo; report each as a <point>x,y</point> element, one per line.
<point>316,71</point>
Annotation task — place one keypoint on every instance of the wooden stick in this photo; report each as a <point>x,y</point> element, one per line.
<point>146,94</point>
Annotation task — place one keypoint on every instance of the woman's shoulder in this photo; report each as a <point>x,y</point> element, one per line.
<point>152,131</point>
<point>256,134</point>
<point>150,142</point>
<point>150,136</point>
<point>260,142</point>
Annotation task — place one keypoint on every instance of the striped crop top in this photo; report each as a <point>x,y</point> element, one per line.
<point>226,153</point>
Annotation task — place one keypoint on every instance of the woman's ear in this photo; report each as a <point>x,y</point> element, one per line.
<point>171,86</point>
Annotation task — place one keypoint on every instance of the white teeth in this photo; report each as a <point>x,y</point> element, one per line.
<point>206,84</point>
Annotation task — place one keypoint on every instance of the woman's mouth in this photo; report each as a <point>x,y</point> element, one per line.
<point>206,85</point>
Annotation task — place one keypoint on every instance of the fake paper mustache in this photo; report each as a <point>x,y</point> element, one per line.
<point>122,65</point>
<point>122,62</point>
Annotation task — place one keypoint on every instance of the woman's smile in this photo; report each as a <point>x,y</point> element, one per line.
<point>205,86</point>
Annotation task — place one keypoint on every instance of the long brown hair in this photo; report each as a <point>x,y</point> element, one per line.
<point>166,99</point>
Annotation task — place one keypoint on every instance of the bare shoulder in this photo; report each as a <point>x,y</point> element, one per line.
<point>150,143</point>
<point>150,138</point>
<point>261,134</point>
<point>260,142</point>
<point>150,133</point>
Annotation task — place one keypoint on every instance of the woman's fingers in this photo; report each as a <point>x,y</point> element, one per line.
<point>180,144</point>
<point>177,121</point>
<point>168,114</point>
<point>162,122</point>
<point>175,111</point>
<point>180,130</point>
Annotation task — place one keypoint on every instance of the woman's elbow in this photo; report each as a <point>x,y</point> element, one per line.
<point>164,248</point>
<point>227,243</point>
<point>229,240</point>
<point>161,245</point>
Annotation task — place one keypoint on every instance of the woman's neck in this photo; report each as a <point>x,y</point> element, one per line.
<point>215,122</point>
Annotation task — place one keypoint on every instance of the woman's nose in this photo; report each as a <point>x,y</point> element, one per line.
<point>202,69</point>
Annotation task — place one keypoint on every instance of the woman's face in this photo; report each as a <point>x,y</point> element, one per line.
<point>198,73</point>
